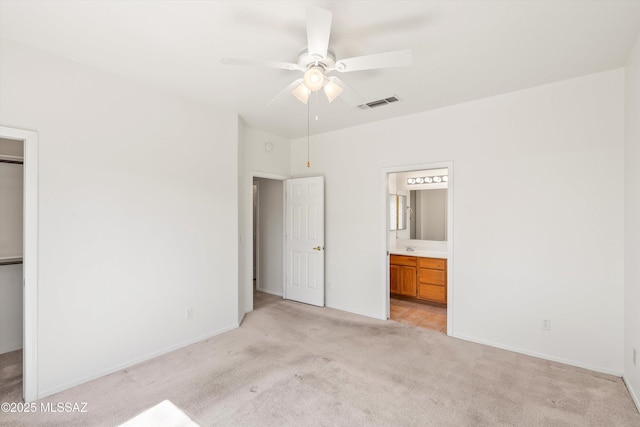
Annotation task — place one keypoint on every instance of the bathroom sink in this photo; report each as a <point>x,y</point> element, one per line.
<point>428,253</point>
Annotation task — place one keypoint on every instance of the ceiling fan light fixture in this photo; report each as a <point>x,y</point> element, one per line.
<point>332,90</point>
<point>314,78</point>
<point>302,92</point>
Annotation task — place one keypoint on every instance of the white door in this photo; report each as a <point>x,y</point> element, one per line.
<point>304,234</point>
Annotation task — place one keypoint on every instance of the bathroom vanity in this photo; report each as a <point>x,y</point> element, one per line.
<point>423,278</point>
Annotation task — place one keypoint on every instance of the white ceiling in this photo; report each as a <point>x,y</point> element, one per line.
<point>462,50</point>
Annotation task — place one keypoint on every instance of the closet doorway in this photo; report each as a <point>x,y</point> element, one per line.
<point>19,259</point>
<point>419,236</point>
<point>11,242</point>
<point>268,239</point>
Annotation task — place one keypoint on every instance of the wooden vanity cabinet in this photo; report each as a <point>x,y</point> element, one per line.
<point>432,279</point>
<point>418,277</point>
<point>403,275</point>
<point>394,280</point>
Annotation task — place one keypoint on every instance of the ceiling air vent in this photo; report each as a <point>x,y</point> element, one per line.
<point>379,103</point>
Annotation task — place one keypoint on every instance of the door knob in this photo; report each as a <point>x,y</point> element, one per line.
<point>317,248</point>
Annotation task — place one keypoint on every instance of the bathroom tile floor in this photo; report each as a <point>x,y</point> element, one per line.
<point>418,314</point>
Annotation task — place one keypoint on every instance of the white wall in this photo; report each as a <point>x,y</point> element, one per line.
<point>11,182</point>
<point>271,242</point>
<point>138,217</point>
<point>544,241</point>
<point>632,224</point>
<point>258,159</point>
<point>262,163</point>
<point>11,148</point>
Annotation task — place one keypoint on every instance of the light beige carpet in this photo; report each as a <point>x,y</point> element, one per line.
<point>293,364</point>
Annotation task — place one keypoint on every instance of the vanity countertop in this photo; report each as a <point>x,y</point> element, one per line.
<point>427,253</point>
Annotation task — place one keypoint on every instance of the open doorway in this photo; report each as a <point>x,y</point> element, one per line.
<point>268,240</point>
<point>28,143</point>
<point>419,246</point>
<point>11,267</point>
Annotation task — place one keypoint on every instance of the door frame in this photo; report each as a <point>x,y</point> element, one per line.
<point>248,255</point>
<point>29,259</point>
<point>450,238</point>
<point>256,234</point>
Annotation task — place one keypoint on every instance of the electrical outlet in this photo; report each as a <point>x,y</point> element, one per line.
<point>635,354</point>
<point>188,314</point>
<point>546,324</point>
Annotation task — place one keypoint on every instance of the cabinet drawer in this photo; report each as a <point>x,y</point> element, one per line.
<point>432,292</point>
<point>435,263</point>
<point>410,261</point>
<point>434,277</point>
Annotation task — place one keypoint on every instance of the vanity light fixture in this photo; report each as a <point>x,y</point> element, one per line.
<point>428,179</point>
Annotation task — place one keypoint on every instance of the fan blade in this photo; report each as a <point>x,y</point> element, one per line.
<point>398,58</point>
<point>286,90</point>
<point>318,32</point>
<point>259,63</point>
<point>349,96</point>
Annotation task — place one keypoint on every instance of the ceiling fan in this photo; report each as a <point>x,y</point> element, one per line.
<point>317,60</point>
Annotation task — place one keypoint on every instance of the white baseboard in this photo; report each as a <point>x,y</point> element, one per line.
<point>267,291</point>
<point>540,355</point>
<point>129,363</point>
<point>358,312</point>
<point>632,392</point>
<point>10,348</point>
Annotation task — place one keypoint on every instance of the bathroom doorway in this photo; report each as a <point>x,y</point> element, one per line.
<point>419,231</point>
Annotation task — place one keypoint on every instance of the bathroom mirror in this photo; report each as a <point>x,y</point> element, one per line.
<point>418,203</point>
<point>420,216</point>
<point>397,212</point>
<point>428,214</point>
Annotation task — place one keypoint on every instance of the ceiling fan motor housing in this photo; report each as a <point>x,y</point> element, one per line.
<point>305,61</point>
